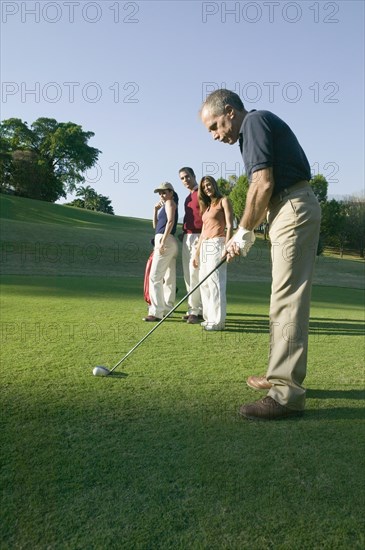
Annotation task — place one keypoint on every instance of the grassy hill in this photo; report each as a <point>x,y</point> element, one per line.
<point>50,239</point>
<point>39,238</point>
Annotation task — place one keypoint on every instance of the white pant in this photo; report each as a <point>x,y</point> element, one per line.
<point>191,274</point>
<point>163,277</point>
<point>213,290</point>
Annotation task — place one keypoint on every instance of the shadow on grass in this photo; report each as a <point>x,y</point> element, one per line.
<point>236,317</point>
<point>336,394</point>
<point>310,415</point>
<point>345,327</point>
<point>252,323</point>
<point>332,413</point>
<point>260,324</point>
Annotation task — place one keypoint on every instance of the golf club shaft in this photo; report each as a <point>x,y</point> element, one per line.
<point>221,262</point>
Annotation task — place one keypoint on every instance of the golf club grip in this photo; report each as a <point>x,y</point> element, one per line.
<point>221,262</point>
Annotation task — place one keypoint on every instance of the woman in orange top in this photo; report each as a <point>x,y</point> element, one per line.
<point>217,215</point>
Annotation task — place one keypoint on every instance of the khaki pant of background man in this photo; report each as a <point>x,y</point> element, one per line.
<point>191,274</point>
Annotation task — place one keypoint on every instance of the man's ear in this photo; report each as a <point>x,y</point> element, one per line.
<point>229,110</point>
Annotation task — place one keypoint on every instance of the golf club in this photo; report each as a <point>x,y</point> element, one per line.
<point>104,371</point>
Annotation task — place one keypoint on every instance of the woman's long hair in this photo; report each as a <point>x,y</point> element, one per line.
<point>204,200</point>
<point>176,198</point>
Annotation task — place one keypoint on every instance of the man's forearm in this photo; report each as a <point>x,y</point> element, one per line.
<point>258,197</point>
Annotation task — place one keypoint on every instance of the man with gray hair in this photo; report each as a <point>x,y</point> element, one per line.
<point>279,174</point>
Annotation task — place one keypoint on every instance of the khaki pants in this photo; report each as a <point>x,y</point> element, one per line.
<point>294,222</point>
<point>191,274</point>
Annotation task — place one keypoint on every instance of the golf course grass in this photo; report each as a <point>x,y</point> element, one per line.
<point>155,456</point>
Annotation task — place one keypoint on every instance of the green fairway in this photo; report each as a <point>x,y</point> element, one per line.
<point>155,456</point>
<point>38,238</point>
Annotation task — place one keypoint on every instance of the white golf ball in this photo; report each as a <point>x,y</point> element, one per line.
<point>100,371</point>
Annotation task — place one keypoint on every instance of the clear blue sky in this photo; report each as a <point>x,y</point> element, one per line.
<point>135,73</point>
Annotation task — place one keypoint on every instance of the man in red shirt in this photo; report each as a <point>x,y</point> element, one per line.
<point>192,227</point>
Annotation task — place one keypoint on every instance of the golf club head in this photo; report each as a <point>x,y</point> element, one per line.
<point>100,371</point>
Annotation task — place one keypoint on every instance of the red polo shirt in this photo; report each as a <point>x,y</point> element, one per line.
<point>192,220</point>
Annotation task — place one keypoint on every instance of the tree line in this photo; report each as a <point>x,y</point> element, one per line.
<point>343,221</point>
<point>47,160</point>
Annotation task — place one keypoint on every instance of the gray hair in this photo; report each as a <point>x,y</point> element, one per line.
<point>217,101</point>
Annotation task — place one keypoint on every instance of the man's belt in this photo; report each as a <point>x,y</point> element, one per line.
<point>284,193</point>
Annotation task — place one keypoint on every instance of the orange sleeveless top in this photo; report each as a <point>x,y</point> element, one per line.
<point>214,221</point>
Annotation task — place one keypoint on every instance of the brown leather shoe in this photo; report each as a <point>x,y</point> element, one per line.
<point>267,409</point>
<point>193,320</point>
<point>151,319</point>
<point>186,317</point>
<point>258,383</point>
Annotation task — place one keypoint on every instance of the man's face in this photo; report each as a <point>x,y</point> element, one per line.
<point>188,180</point>
<point>224,128</point>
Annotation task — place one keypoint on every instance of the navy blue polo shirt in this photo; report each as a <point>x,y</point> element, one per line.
<point>162,221</point>
<point>268,142</point>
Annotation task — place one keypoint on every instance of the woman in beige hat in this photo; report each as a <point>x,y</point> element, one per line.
<point>162,283</point>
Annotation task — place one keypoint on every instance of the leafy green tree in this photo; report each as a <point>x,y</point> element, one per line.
<point>105,205</point>
<point>238,196</point>
<point>333,224</point>
<point>224,186</point>
<point>58,152</point>
<point>78,203</point>
<point>91,200</point>
<point>88,195</point>
<point>5,165</point>
<point>30,177</point>
<point>354,210</point>
<point>320,187</point>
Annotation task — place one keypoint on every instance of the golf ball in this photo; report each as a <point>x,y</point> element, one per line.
<point>100,371</point>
